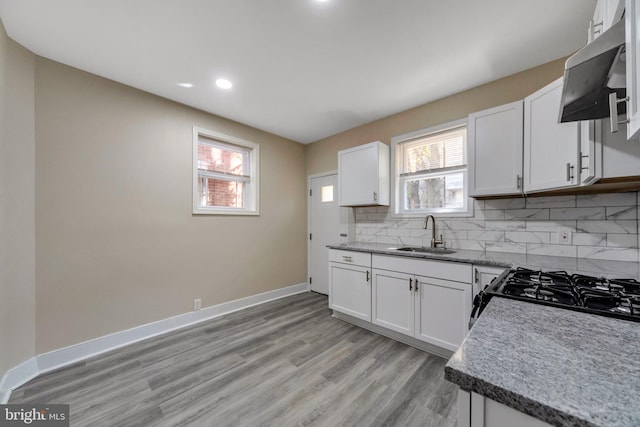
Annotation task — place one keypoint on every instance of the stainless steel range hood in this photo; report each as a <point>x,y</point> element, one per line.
<point>591,74</point>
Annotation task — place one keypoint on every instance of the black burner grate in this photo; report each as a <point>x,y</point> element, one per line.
<point>614,297</point>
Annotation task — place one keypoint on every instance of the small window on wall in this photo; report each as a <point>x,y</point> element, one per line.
<point>327,194</point>
<point>225,174</point>
<point>431,171</point>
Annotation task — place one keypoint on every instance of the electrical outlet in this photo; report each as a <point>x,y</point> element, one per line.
<point>564,237</point>
<point>197,304</point>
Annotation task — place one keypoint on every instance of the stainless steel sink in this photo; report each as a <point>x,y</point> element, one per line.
<point>426,250</point>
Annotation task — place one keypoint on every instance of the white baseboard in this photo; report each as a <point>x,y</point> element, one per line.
<point>65,356</point>
<point>17,376</point>
<point>77,352</point>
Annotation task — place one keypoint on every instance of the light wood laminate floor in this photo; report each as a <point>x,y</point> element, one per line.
<point>283,363</point>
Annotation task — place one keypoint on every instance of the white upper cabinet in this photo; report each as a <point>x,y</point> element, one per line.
<point>551,149</point>
<point>364,175</point>
<point>620,158</point>
<point>495,150</point>
<point>632,46</point>
<point>606,13</point>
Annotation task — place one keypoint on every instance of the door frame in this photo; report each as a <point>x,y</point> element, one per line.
<point>309,178</point>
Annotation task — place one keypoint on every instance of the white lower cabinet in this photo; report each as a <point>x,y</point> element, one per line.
<point>475,410</point>
<point>393,301</point>
<point>427,300</point>
<point>349,283</point>
<point>442,308</point>
<point>406,299</point>
<point>483,276</point>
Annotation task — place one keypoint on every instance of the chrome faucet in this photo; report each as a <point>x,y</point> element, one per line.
<point>434,242</point>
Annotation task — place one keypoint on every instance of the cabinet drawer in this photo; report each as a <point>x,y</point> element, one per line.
<point>455,271</point>
<point>350,257</point>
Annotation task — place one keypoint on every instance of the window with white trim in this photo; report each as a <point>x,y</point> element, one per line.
<point>431,171</point>
<point>225,174</point>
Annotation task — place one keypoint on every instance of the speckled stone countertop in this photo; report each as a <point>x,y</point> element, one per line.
<point>599,268</point>
<point>560,366</point>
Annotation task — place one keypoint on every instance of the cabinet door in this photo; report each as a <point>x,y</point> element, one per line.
<point>441,312</point>
<point>482,277</point>
<point>550,148</point>
<point>620,158</point>
<point>393,301</point>
<point>495,150</point>
<point>612,12</point>
<point>349,290</point>
<point>632,45</point>
<point>364,175</point>
<point>606,13</point>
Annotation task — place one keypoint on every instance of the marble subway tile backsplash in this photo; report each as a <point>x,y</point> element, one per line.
<point>603,226</point>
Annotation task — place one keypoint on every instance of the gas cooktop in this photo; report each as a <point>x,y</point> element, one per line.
<point>597,295</point>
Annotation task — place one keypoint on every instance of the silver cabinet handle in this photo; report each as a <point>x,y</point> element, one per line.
<point>417,285</point>
<point>410,285</point>
<point>375,196</point>
<point>367,275</point>
<point>518,182</point>
<point>343,234</point>
<point>613,111</point>
<point>347,258</point>
<point>569,172</point>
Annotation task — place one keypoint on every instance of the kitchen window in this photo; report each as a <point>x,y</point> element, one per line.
<point>225,174</point>
<point>431,171</point>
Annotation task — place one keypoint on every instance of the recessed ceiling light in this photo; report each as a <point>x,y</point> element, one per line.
<point>187,85</point>
<point>223,84</point>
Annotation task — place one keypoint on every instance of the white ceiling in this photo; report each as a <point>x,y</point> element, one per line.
<point>301,69</point>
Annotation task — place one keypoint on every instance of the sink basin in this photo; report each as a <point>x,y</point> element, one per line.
<point>426,250</point>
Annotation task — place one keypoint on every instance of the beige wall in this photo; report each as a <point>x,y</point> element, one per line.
<point>17,196</point>
<point>117,243</point>
<point>322,155</point>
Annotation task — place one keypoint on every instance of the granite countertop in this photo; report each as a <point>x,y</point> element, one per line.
<point>560,366</point>
<point>595,267</point>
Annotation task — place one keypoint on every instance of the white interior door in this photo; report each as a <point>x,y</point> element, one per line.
<point>325,227</point>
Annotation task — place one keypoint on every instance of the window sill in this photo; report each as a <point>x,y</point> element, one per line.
<point>468,214</point>
<point>227,212</point>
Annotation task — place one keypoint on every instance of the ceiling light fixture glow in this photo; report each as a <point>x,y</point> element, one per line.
<point>187,85</point>
<point>223,84</point>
